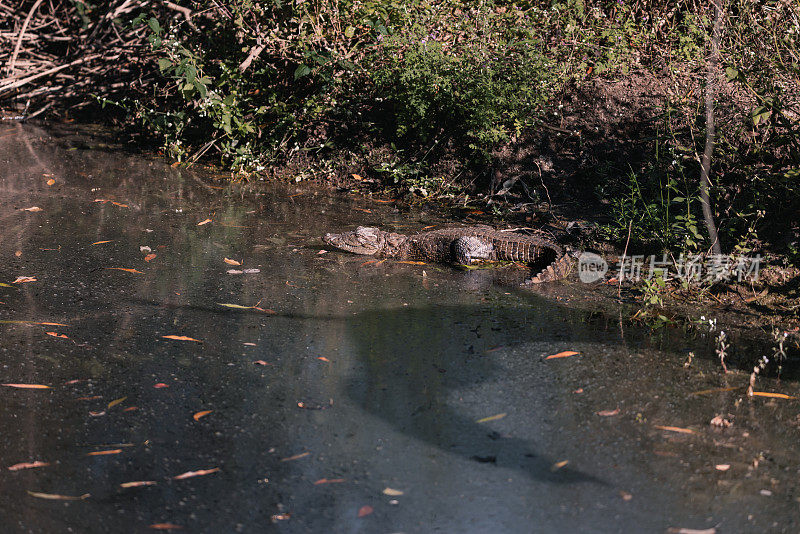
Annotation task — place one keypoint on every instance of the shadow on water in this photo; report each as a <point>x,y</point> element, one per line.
<point>413,359</point>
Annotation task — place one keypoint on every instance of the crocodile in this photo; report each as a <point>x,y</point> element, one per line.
<point>462,246</point>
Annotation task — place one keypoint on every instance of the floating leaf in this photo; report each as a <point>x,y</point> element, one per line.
<point>563,354</point>
<point>558,465</point>
<point>101,242</point>
<point>323,359</point>
<point>240,307</point>
<point>608,413</point>
<point>491,418</point>
<point>295,457</point>
<point>261,362</point>
<point>26,386</point>
<point>56,334</point>
<point>149,257</point>
<point>772,395</point>
<point>675,429</point>
<point>116,401</point>
<point>55,497</point>
<point>125,269</point>
<point>392,492</point>
<point>204,413</point>
<point>413,262</point>
<point>200,473</point>
<point>329,481</point>
<point>231,262</point>
<point>181,338</point>
<point>23,279</point>
<point>138,484</point>
<point>714,390</point>
<point>104,453</point>
<point>161,385</point>
<point>33,322</point>
<point>365,510</point>
<point>722,467</point>
<point>32,208</point>
<point>50,181</point>
<point>201,223</point>
<point>165,526</point>
<point>27,465</point>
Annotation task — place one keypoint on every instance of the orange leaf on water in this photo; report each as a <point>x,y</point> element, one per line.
<point>201,472</point>
<point>55,497</point>
<point>23,279</point>
<point>413,262</point>
<point>116,401</point>
<point>137,483</point>
<point>27,465</point>
<point>772,395</point>
<point>125,269</point>
<point>50,181</point>
<point>198,415</point>
<point>365,510</point>
<point>27,386</point>
<point>165,526</point>
<point>161,385</point>
<point>201,223</point>
<point>261,362</point>
<point>231,262</point>
<point>181,338</point>
<point>32,208</point>
<point>328,481</point>
<point>104,453</point>
<point>295,457</point>
<point>56,334</point>
<point>563,354</point>
<point>149,257</point>
<point>101,242</point>
<point>675,429</point>
<point>323,358</point>
<point>608,413</point>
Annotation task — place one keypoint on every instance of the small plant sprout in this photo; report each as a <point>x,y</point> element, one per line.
<point>779,351</point>
<point>760,366</point>
<point>722,349</point>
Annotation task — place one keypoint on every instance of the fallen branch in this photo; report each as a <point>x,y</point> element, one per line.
<point>24,81</point>
<point>22,31</point>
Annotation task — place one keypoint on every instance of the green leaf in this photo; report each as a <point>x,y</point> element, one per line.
<point>154,25</point>
<point>302,70</point>
<point>164,64</point>
<point>191,73</point>
<point>349,32</point>
<point>760,114</point>
<point>731,73</point>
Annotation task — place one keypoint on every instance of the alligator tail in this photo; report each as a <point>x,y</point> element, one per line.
<point>557,270</point>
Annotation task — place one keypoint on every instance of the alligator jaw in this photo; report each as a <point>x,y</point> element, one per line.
<point>364,240</point>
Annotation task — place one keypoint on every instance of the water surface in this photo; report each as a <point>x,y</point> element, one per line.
<point>333,377</point>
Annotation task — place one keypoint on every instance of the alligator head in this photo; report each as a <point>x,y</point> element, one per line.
<point>364,240</point>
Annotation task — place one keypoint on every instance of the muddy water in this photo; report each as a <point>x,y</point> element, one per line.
<point>331,379</point>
